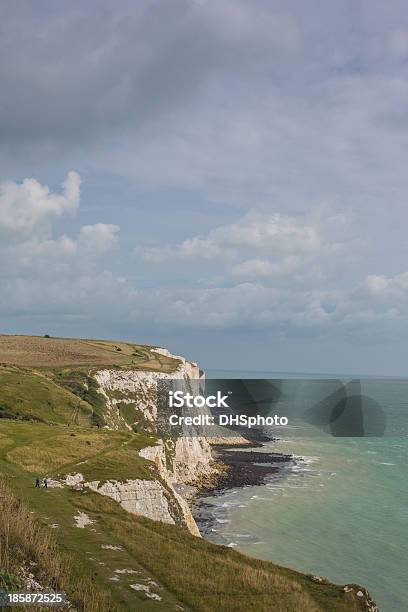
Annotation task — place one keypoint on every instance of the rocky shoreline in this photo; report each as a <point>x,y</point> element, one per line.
<point>238,466</point>
<point>241,468</point>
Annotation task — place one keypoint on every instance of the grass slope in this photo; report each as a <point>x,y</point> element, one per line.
<point>27,394</point>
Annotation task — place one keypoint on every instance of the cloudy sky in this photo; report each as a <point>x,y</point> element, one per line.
<point>227,178</point>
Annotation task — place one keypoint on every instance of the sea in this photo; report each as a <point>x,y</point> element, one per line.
<point>340,510</point>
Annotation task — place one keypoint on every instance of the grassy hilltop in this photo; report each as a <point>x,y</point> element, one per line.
<point>51,423</point>
<point>42,352</point>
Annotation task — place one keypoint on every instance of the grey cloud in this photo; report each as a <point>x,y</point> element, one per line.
<point>81,73</point>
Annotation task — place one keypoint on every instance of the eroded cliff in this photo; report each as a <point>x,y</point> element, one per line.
<point>130,397</point>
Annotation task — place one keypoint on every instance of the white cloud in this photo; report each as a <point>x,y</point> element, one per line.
<point>37,269</point>
<point>263,268</point>
<point>260,232</point>
<point>381,289</point>
<point>376,285</point>
<point>44,256</point>
<point>29,204</point>
<point>99,237</point>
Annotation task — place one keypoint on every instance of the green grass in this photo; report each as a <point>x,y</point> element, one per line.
<point>121,463</point>
<point>83,386</point>
<point>25,394</point>
<point>55,451</point>
<point>8,581</point>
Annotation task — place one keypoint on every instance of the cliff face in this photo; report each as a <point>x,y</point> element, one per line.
<point>154,499</point>
<point>184,459</point>
<point>158,456</point>
<point>131,403</point>
<point>137,390</point>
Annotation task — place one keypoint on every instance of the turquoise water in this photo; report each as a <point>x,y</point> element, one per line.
<point>340,510</point>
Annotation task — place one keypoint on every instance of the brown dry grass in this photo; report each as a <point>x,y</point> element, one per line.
<point>35,351</point>
<point>39,352</point>
<point>23,541</point>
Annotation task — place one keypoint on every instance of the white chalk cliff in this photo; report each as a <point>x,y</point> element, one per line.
<point>179,461</point>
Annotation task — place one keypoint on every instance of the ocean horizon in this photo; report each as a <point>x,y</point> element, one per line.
<point>216,373</point>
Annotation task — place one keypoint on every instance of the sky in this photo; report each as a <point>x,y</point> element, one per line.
<point>226,178</point>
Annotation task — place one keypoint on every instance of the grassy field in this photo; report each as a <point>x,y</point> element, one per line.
<point>116,561</point>
<point>39,352</point>
<point>54,451</point>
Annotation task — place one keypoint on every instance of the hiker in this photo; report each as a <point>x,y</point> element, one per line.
<point>45,483</point>
<point>37,483</point>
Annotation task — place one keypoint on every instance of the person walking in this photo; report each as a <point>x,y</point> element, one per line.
<point>37,483</point>
<point>45,483</point>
